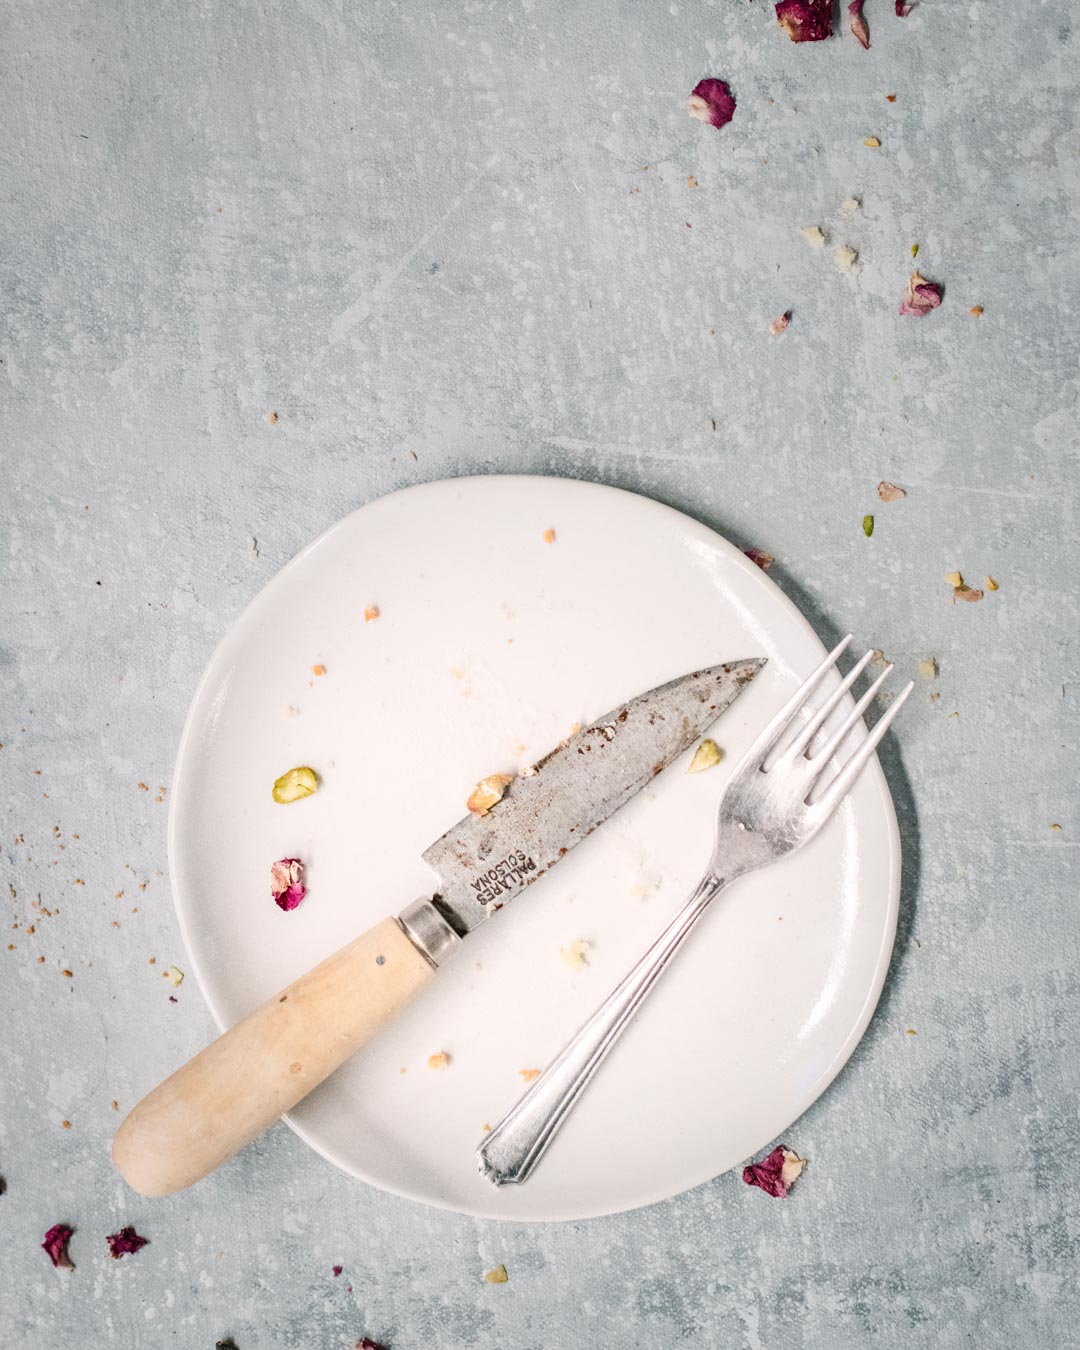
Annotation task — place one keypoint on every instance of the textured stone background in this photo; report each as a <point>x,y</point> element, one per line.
<point>425,236</point>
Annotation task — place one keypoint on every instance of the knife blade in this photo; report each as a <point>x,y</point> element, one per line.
<point>482,862</point>
<point>258,1070</point>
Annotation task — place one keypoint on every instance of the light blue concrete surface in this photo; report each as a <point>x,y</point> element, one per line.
<point>425,235</point>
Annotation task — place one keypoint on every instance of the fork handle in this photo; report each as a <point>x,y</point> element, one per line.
<point>516,1144</point>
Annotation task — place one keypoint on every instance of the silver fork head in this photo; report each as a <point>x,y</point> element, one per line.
<point>779,794</point>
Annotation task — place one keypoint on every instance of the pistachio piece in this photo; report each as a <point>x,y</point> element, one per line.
<point>295,784</point>
<point>706,755</point>
<point>488,793</point>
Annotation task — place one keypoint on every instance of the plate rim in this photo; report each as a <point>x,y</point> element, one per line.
<point>195,714</point>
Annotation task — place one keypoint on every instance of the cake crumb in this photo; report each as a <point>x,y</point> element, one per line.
<point>575,955</point>
<point>528,1075</point>
<point>549,536</point>
<point>318,669</point>
<point>439,1061</point>
<point>371,612</point>
<point>497,1275</point>
<point>488,793</point>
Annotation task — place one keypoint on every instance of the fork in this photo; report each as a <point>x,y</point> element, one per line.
<point>776,800</point>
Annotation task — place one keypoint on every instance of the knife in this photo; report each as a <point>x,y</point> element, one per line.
<point>250,1076</point>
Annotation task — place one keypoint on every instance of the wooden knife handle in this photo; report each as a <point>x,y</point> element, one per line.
<point>238,1086</point>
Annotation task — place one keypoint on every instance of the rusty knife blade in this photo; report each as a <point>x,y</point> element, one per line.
<point>484,861</point>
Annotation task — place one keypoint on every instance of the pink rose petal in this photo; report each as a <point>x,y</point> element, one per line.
<point>902,9</point>
<point>857,24</point>
<point>127,1240</point>
<point>758,555</point>
<point>805,20</point>
<point>921,296</point>
<point>779,325</point>
<point>711,102</point>
<point>56,1244</point>
<point>287,882</point>
<point>776,1173</point>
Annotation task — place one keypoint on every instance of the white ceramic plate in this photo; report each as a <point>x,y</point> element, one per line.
<point>490,644</point>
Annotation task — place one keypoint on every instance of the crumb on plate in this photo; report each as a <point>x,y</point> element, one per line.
<point>575,955</point>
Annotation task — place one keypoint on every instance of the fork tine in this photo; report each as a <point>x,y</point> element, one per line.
<point>779,724</point>
<point>825,753</point>
<point>807,734</point>
<point>834,794</point>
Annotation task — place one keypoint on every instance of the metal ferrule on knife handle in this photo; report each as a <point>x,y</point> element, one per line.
<point>429,932</point>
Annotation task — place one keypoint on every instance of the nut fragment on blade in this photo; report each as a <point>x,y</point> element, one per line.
<point>488,793</point>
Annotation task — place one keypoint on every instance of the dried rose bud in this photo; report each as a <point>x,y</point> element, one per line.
<point>365,1343</point>
<point>813,236</point>
<point>711,102</point>
<point>967,593</point>
<point>857,24</point>
<point>127,1240</point>
<point>779,325</point>
<point>575,955</point>
<point>889,492</point>
<point>337,1270</point>
<point>497,1275</point>
<point>776,1173</point>
<point>287,882</point>
<point>488,793</point>
<point>295,784</point>
<point>439,1062</point>
<point>174,975</point>
<point>902,9</point>
<point>921,295</point>
<point>706,755</point>
<point>760,558</point>
<point>56,1244</point>
<point>805,20</point>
